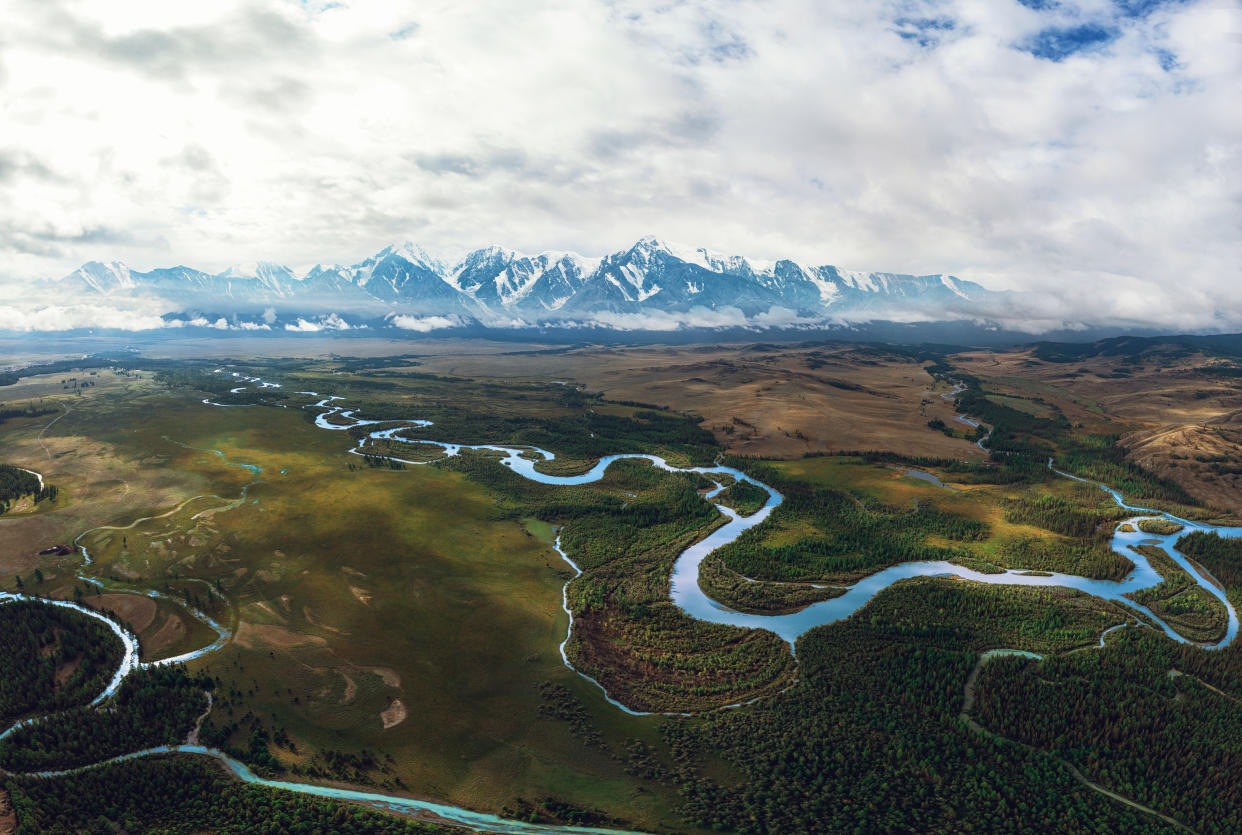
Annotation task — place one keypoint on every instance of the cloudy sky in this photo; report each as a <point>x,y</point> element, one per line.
<point>1091,149</point>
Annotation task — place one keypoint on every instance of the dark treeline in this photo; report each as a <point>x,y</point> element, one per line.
<point>152,707</point>
<point>1134,717</point>
<point>51,658</point>
<point>26,412</point>
<point>587,434</point>
<point>8,378</point>
<point>1223,557</point>
<point>128,362</point>
<point>184,796</point>
<point>869,740</point>
<point>16,482</point>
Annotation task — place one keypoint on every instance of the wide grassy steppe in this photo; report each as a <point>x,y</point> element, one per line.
<point>356,588</point>
<point>428,600</point>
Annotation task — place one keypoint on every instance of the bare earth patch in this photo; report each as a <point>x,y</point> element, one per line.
<point>8,818</point>
<point>393,715</point>
<point>351,689</point>
<point>135,609</point>
<point>172,631</point>
<point>258,635</point>
<point>64,671</point>
<point>390,676</point>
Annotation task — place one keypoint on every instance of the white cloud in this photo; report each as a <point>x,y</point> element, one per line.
<point>331,322</point>
<point>696,317</point>
<point>222,132</point>
<point>71,317</point>
<point>423,324</point>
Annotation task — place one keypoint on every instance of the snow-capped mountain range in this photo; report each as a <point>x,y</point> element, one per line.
<point>495,285</point>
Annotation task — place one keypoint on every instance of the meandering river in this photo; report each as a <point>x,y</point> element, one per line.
<point>685,590</point>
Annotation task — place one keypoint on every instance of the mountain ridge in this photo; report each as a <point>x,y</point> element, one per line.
<point>497,284</point>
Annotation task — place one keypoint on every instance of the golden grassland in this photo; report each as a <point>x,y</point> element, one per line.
<point>763,401</point>
<point>1176,417</point>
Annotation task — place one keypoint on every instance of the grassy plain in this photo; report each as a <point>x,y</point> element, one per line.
<point>359,588</point>
<point>351,589</point>
<point>400,628</point>
<point>1004,543</point>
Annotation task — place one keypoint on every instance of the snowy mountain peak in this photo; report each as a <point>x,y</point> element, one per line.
<point>265,271</point>
<point>104,277</point>
<point>498,284</point>
<point>415,254</point>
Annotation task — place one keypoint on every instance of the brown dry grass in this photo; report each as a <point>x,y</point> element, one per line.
<point>75,450</point>
<point>135,609</point>
<point>260,635</point>
<point>1174,452</point>
<point>779,402</point>
<point>170,633</point>
<point>1169,410</point>
<point>391,677</point>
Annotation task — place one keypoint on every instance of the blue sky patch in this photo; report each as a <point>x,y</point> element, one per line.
<point>1141,8</point>
<point>1058,43</point>
<point>925,30</point>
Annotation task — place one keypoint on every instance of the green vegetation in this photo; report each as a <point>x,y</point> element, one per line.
<point>744,497</point>
<point>746,595</point>
<point>1093,558</point>
<point>16,483</point>
<point>869,739</point>
<point>152,707</point>
<point>1141,717</point>
<point>1162,527</point>
<point>627,632</point>
<point>399,629</point>
<point>1073,516</point>
<point>824,533</point>
<point>184,796</point>
<point>1180,601</point>
<point>1222,557</point>
<point>53,658</point>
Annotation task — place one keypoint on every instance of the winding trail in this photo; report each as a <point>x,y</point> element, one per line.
<point>684,591</point>
<point>48,426</point>
<point>968,703</point>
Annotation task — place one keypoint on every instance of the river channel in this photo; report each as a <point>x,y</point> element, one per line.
<point>684,590</point>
